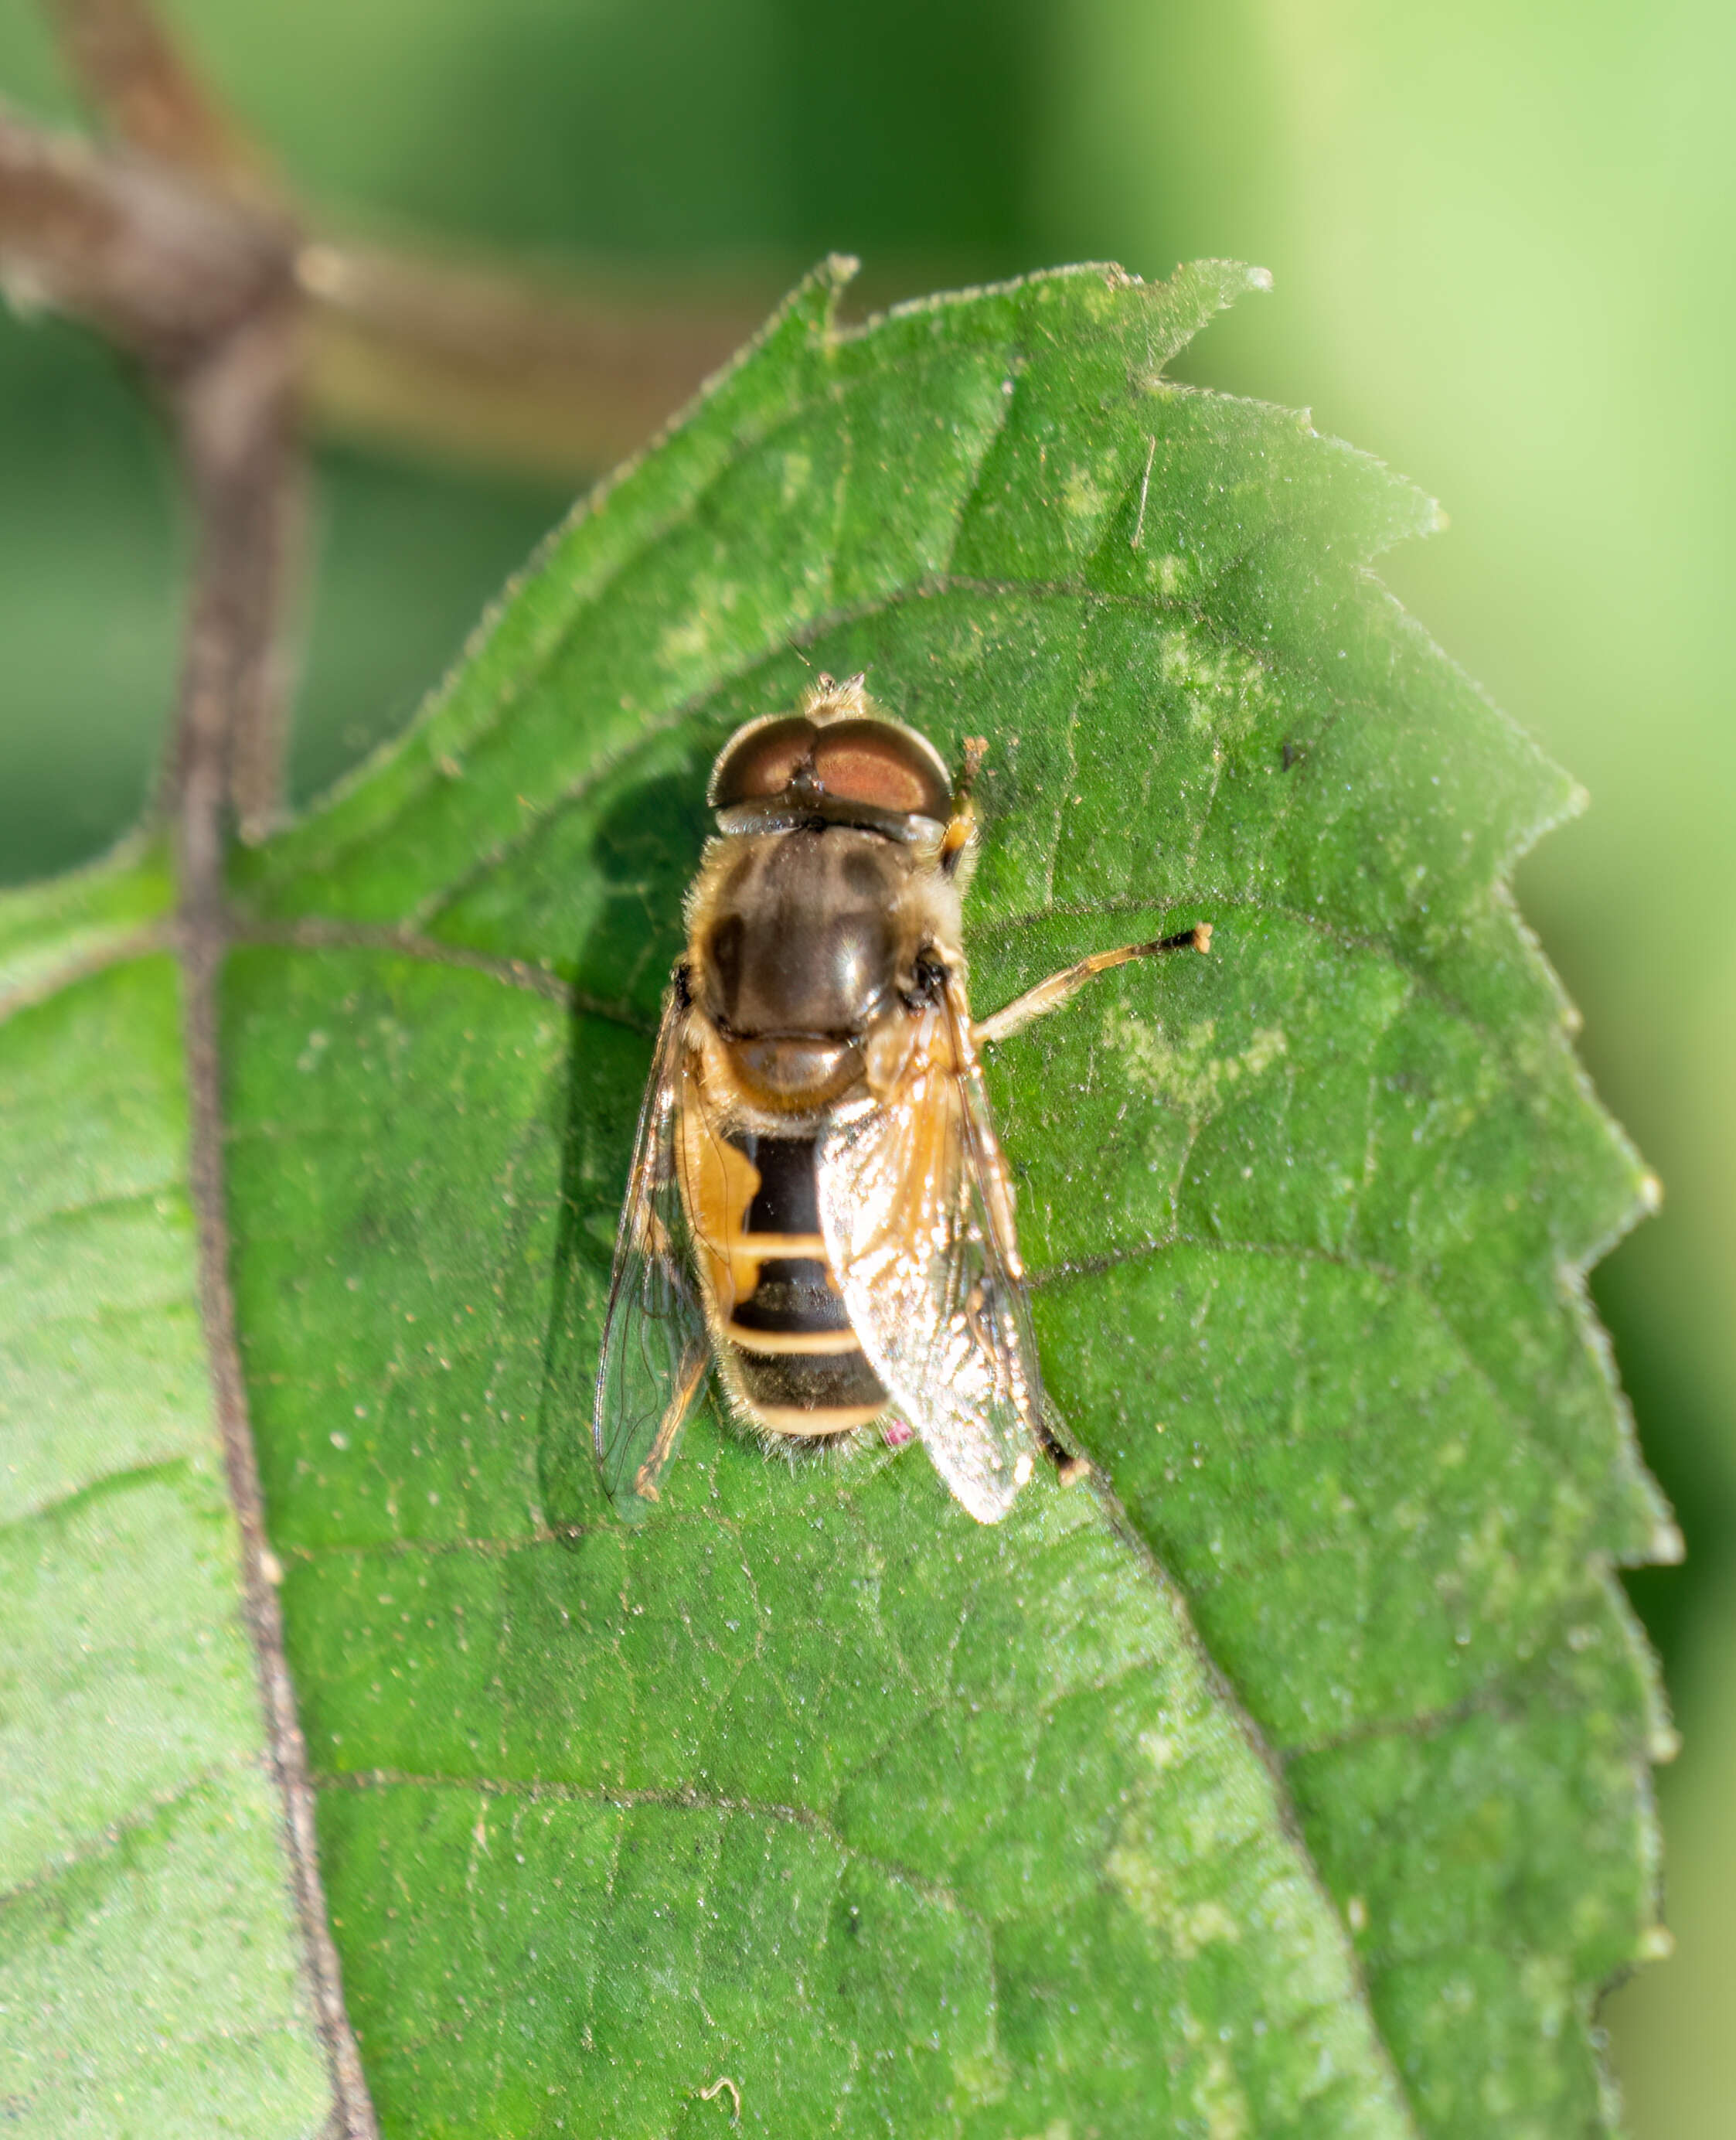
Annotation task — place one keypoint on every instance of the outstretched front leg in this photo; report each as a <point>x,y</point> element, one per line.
<point>1050,995</point>
<point>1035,1003</point>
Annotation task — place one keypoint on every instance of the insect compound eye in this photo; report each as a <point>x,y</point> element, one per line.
<point>761,761</point>
<point>859,761</point>
<point>886,767</point>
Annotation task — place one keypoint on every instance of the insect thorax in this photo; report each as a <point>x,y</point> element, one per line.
<point>801,942</point>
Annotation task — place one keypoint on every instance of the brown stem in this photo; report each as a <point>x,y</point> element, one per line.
<point>204,292</point>
<point>160,266</point>
<point>235,421</point>
<point>443,355</point>
<point>135,76</point>
<point>476,364</point>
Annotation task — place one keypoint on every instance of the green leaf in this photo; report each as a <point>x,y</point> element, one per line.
<point>1292,1782</point>
<point>148,1949</point>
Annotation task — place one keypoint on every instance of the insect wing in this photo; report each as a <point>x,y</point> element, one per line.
<point>918,1220</point>
<point>655,1345</point>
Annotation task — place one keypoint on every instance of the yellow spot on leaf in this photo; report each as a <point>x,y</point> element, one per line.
<point>1188,1073</point>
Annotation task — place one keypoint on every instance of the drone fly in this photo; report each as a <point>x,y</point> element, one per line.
<point>817,1207</point>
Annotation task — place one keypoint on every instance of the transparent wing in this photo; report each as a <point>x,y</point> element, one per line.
<point>918,1219</point>
<point>654,1346</point>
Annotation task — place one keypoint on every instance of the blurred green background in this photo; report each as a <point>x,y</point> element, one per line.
<point>1504,240</point>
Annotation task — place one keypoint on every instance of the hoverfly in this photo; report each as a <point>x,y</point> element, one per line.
<point>817,1207</point>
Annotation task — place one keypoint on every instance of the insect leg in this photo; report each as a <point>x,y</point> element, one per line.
<point>1050,995</point>
<point>1069,1469</point>
<point>686,1388</point>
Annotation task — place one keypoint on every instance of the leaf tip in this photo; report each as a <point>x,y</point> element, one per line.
<point>1176,309</point>
<point>1218,283</point>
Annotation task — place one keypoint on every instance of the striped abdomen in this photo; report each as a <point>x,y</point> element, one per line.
<point>792,1357</point>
